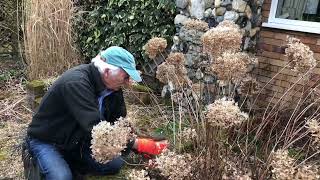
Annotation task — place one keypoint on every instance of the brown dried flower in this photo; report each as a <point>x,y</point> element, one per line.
<point>308,172</point>
<point>187,134</point>
<point>196,25</point>
<point>300,55</point>
<point>226,37</point>
<point>314,127</point>
<point>282,165</point>
<point>225,113</point>
<point>231,66</point>
<point>138,175</point>
<point>249,86</point>
<point>155,46</point>
<point>235,169</point>
<point>106,143</point>
<point>176,74</point>
<point>229,24</point>
<point>175,59</point>
<point>174,166</point>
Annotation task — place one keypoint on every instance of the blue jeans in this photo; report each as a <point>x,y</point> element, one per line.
<point>55,164</point>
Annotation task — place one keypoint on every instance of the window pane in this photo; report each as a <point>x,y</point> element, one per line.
<point>303,10</point>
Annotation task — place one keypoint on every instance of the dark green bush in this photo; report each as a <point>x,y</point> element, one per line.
<point>129,24</point>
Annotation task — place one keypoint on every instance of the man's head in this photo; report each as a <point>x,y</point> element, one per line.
<point>116,66</point>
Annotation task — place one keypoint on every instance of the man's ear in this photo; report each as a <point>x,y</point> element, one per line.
<point>106,73</point>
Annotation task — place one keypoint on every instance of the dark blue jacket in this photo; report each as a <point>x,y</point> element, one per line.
<point>69,109</point>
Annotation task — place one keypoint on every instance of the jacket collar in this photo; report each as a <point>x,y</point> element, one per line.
<point>96,79</point>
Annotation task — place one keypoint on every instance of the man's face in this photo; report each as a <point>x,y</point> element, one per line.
<point>115,79</point>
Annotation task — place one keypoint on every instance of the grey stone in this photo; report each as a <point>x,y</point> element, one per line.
<point>208,13</point>
<point>229,7</point>
<point>191,35</point>
<point>231,16</point>
<point>220,11</point>
<point>259,2</point>
<point>176,40</point>
<point>226,3</point>
<point>256,20</point>
<point>199,74</point>
<point>180,19</point>
<point>248,12</point>
<point>197,8</point>
<point>208,3</point>
<point>254,31</point>
<point>246,43</point>
<point>175,48</point>
<point>217,3</point>
<point>219,18</point>
<point>248,26</point>
<point>209,79</point>
<point>191,73</point>
<point>239,5</point>
<point>181,3</point>
<point>189,60</point>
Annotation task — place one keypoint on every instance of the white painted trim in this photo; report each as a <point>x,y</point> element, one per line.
<point>288,24</point>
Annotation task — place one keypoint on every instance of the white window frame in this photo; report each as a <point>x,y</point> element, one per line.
<point>288,24</point>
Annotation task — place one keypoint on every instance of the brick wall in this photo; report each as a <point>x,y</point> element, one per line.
<point>272,60</point>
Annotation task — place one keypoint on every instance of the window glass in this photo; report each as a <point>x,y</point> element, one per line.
<point>303,10</point>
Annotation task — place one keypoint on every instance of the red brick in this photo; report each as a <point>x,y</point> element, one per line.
<point>266,7</point>
<point>272,41</point>
<point>265,47</point>
<point>265,19</point>
<point>315,48</point>
<point>285,84</point>
<point>271,55</point>
<point>288,71</point>
<point>317,56</point>
<point>281,36</point>
<point>266,33</point>
<point>316,70</point>
<point>265,13</point>
<point>282,56</point>
<point>267,2</point>
<point>308,40</point>
<point>278,49</point>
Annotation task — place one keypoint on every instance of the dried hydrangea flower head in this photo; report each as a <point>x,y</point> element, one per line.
<point>225,113</point>
<point>249,86</point>
<point>308,172</point>
<point>174,166</point>
<point>187,134</point>
<point>138,175</point>
<point>106,144</point>
<point>173,70</point>
<point>282,165</point>
<point>225,37</point>
<point>314,127</point>
<point>155,46</point>
<point>300,55</point>
<point>234,169</point>
<point>176,59</point>
<point>230,66</point>
<point>196,25</point>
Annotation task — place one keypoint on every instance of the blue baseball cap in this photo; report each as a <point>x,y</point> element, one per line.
<point>122,58</point>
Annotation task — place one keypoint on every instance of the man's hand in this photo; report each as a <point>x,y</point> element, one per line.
<point>150,146</point>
